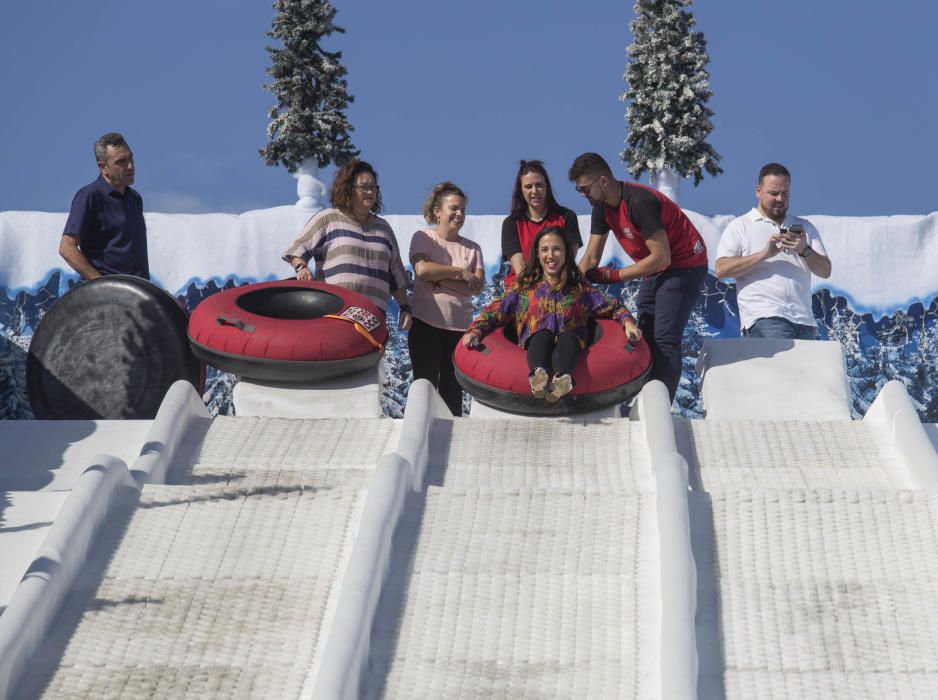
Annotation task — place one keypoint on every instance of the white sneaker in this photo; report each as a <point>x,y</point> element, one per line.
<point>562,385</point>
<point>538,382</point>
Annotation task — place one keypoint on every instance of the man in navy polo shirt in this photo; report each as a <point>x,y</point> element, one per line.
<point>670,257</point>
<point>105,233</point>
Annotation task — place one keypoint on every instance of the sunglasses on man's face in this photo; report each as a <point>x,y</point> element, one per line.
<point>585,189</point>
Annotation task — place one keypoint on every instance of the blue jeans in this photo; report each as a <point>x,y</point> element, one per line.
<point>776,327</point>
<point>665,302</point>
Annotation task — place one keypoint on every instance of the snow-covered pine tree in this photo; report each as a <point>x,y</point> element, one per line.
<point>308,127</point>
<point>667,94</point>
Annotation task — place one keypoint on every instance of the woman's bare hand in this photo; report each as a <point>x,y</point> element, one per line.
<point>470,339</point>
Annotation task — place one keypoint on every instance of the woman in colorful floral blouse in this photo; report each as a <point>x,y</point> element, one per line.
<point>550,306</point>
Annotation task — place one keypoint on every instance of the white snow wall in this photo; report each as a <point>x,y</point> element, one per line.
<point>881,301</point>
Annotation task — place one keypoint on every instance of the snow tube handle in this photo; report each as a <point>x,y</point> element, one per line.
<point>630,346</point>
<point>360,328</point>
<point>236,322</point>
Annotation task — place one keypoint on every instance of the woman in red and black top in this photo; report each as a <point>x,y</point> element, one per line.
<point>534,208</point>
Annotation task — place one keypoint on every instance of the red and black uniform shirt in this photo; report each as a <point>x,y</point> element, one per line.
<point>518,235</point>
<point>643,211</point>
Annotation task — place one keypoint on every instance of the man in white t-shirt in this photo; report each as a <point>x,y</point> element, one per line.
<point>772,256</point>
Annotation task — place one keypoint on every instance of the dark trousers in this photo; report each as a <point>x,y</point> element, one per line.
<point>665,302</point>
<point>556,358</point>
<point>431,358</point>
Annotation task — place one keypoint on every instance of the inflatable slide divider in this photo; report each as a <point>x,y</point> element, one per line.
<point>424,406</point>
<point>678,575</point>
<point>57,564</point>
<point>180,414</point>
<point>346,649</point>
<point>901,435</point>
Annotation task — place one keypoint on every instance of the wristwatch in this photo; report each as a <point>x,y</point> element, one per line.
<point>299,266</point>
<point>807,252</point>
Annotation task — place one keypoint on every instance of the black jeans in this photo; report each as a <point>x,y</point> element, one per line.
<point>556,358</point>
<point>665,302</point>
<point>431,358</point>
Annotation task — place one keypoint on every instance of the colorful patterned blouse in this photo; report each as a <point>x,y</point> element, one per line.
<point>543,307</point>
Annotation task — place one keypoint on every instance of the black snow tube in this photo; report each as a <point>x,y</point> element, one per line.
<point>109,349</point>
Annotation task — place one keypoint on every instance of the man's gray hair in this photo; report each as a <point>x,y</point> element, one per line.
<point>111,138</point>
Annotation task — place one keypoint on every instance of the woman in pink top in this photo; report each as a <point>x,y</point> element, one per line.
<point>448,270</point>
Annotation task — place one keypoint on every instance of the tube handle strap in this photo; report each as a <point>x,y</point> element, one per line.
<point>236,322</point>
<point>361,330</point>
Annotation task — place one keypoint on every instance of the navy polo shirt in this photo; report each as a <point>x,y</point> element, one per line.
<point>110,228</point>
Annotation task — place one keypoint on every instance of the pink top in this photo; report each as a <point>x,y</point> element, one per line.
<point>432,302</point>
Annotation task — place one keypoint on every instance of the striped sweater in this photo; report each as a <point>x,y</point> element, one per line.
<point>556,310</point>
<point>366,260</point>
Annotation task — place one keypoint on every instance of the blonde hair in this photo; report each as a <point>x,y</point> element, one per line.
<point>444,189</point>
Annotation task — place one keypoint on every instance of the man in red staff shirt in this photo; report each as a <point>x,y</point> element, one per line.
<point>670,257</point>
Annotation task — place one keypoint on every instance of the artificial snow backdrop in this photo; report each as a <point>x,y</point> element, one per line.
<point>880,303</point>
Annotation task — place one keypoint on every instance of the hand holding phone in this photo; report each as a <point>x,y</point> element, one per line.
<point>790,237</point>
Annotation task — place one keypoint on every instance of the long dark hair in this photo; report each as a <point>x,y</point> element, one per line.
<point>519,208</point>
<point>532,273</point>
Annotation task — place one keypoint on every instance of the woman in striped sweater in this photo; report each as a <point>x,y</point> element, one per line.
<point>350,245</point>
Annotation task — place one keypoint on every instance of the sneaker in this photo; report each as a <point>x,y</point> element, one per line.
<point>562,385</point>
<point>538,380</point>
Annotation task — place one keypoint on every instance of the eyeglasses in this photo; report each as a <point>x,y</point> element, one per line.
<point>366,188</point>
<point>585,189</point>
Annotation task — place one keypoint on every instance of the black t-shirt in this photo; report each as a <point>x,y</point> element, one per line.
<point>642,208</point>
<point>513,230</point>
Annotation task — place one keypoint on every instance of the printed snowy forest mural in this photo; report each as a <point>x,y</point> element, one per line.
<point>902,345</point>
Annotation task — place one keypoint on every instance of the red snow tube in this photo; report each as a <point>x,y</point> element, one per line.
<point>609,371</point>
<point>288,331</point>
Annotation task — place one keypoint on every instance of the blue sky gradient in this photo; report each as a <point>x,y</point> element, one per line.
<point>841,92</point>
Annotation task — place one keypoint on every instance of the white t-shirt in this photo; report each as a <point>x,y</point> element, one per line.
<point>432,302</point>
<point>779,286</point>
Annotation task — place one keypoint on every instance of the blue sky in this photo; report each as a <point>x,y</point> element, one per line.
<point>842,92</point>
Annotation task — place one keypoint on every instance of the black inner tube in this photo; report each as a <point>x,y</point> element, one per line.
<point>290,303</point>
<point>109,349</point>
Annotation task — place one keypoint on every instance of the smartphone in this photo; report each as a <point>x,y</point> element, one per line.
<point>791,235</point>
